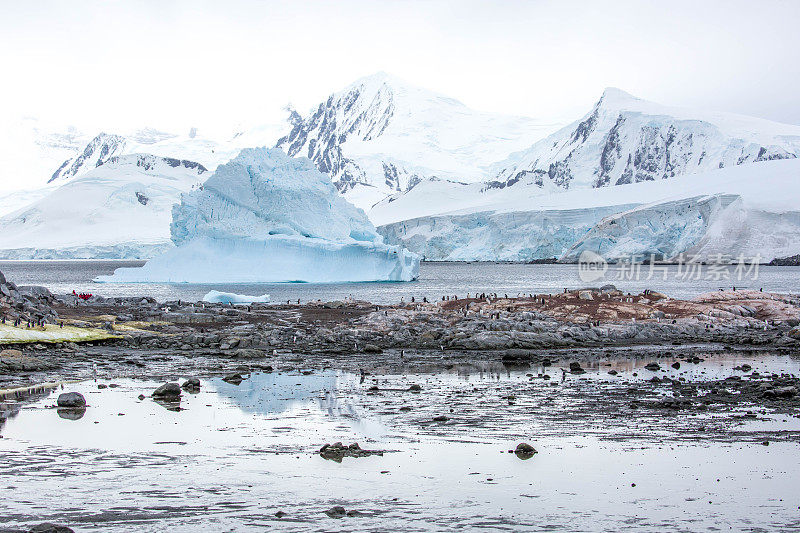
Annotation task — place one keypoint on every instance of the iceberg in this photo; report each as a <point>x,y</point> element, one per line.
<point>219,297</point>
<point>267,217</point>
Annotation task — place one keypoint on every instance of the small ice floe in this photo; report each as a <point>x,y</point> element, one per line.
<point>233,298</point>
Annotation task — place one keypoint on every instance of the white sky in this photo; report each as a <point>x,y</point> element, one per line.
<point>112,64</point>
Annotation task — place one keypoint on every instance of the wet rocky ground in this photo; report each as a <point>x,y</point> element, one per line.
<point>646,413</point>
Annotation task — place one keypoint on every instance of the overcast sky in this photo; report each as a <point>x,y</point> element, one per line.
<point>173,64</point>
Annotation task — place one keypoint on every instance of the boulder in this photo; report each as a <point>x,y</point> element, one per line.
<point>191,384</point>
<point>336,512</point>
<point>525,450</point>
<point>71,400</point>
<point>235,379</point>
<point>167,391</point>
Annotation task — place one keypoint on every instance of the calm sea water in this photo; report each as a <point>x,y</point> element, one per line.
<point>435,281</point>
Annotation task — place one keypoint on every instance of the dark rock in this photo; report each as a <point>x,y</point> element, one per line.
<point>167,390</point>
<point>336,512</point>
<point>613,372</point>
<point>280,514</point>
<point>371,348</point>
<point>676,365</point>
<point>653,367</point>
<point>47,527</point>
<point>575,368</point>
<point>525,450</point>
<point>191,384</point>
<point>71,400</point>
<point>779,392</point>
<point>440,418</point>
<point>235,379</point>
<point>337,451</point>
<point>415,388</point>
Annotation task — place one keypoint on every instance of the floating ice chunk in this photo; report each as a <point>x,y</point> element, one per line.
<point>219,297</point>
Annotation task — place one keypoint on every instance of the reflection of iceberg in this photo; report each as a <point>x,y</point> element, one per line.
<point>266,217</point>
<point>276,393</point>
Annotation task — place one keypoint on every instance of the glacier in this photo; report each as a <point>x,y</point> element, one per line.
<point>267,217</point>
<point>749,209</point>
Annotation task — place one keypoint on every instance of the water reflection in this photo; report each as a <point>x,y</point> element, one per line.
<point>275,393</point>
<point>72,413</point>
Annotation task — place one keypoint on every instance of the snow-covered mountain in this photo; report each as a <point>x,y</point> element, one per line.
<point>751,209</point>
<point>120,210</point>
<point>98,151</point>
<point>31,149</point>
<point>381,135</point>
<point>627,140</point>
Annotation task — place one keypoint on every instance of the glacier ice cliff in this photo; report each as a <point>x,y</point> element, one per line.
<point>267,217</point>
<point>749,209</point>
<point>496,236</point>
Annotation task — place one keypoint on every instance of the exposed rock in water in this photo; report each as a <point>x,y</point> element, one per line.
<point>71,400</point>
<point>191,385</point>
<point>337,451</point>
<point>235,379</point>
<point>167,391</point>
<point>336,512</point>
<point>653,367</point>
<point>525,450</point>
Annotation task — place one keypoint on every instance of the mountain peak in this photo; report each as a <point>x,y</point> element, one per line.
<point>612,96</point>
<point>378,79</point>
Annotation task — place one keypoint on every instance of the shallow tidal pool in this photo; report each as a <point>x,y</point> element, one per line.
<point>232,456</point>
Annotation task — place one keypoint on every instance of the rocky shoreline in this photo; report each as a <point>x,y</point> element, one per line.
<point>353,334</point>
